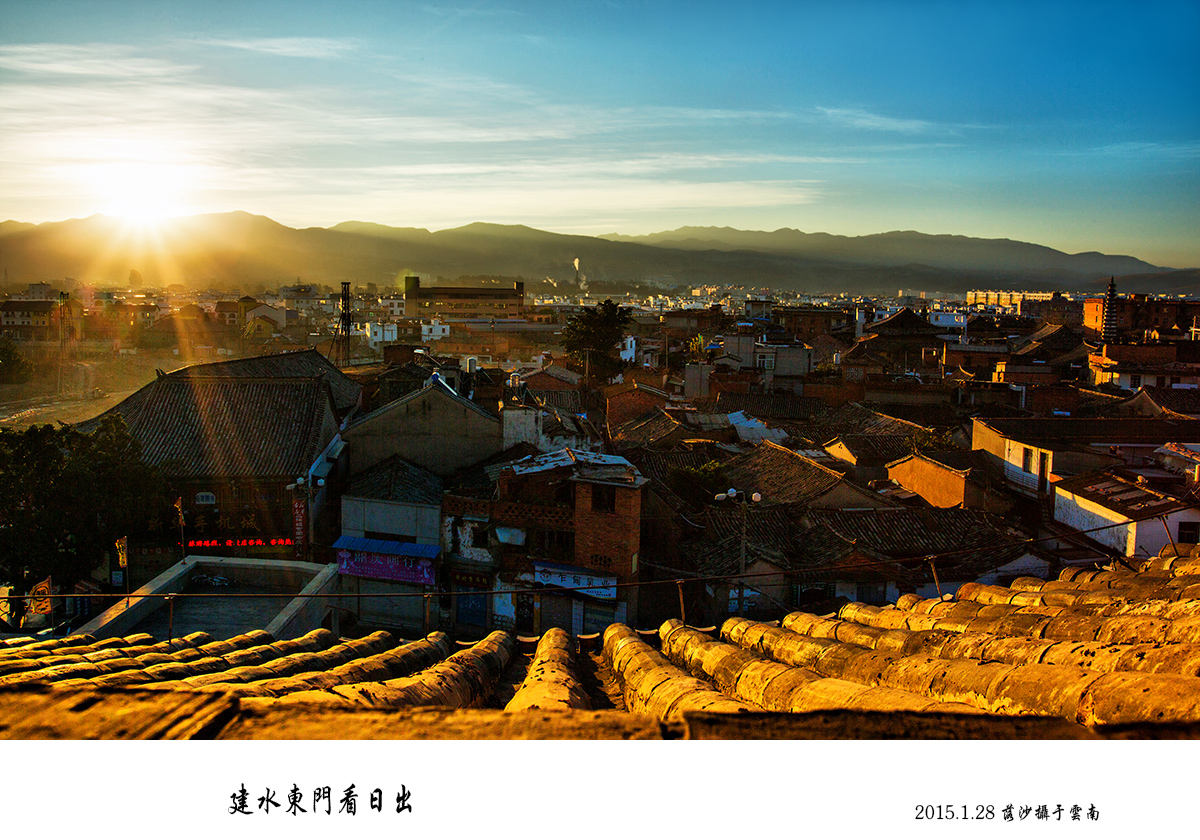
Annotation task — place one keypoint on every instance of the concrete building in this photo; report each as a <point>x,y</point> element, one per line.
<point>455,302</point>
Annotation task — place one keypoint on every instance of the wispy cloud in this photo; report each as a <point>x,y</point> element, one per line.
<point>91,60</point>
<point>288,47</point>
<point>860,118</point>
<point>1176,151</point>
<point>481,9</point>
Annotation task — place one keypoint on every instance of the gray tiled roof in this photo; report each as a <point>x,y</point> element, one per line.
<point>780,475</point>
<point>305,364</point>
<point>229,426</point>
<point>396,480</point>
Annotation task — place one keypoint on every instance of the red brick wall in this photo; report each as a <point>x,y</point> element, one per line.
<point>622,408</point>
<point>607,542</point>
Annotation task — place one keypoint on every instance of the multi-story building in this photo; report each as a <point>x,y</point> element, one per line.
<point>457,302</point>
<point>563,529</point>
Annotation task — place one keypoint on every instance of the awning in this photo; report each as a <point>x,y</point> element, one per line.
<point>394,547</point>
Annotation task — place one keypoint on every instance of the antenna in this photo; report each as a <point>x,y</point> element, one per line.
<point>339,353</point>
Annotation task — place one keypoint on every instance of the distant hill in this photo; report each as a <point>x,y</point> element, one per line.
<point>956,253</point>
<point>244,250</point>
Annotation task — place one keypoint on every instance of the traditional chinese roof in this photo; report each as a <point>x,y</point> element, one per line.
<point>193,425</point>
<point>780,475</point>
<point>562,400</point>
<point>436,388</point>
<point>396,480</point>
<point>905,322</point>
<point>304,364</point>
<point>874,448</point>
<point>1184,401</point>
<point>893,543</point>
<point>1096,653</point>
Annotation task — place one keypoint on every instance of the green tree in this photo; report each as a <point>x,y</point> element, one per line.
<point>593,337</point>
<point>932,440</point>
<point>14,368</point>
<point>67,497</point>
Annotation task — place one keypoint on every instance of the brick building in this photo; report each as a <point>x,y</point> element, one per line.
<point>564,528</point>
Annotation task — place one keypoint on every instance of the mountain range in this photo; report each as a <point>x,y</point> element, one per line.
<point>241,250</point>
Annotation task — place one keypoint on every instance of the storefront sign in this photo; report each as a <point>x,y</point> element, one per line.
<point>299,525</point>
<point>386,567</point>
<point>586,583</point>
<point>471,580</point>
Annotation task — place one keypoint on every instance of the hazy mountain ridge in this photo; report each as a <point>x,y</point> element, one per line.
<point>239,247</point>
<point>893,248</point>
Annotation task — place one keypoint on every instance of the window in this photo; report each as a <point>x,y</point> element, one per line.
<point>872,593</point>
<point>479,537</point>
<point>604,498</point>
<point>1027,460</point>
<point>1135,380</point>
<point>1189,532</point>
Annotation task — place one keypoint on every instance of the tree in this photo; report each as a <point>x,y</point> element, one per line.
<point>593,337</point>
<point>14,368</point>
<point>67,497</point>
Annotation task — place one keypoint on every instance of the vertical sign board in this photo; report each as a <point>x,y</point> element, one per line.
<point>299,526</point>
<point>40,603</point>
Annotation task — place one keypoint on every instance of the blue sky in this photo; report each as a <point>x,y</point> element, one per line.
<point>1074,125</point>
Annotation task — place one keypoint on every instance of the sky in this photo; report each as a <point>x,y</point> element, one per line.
<point>1074,125</point>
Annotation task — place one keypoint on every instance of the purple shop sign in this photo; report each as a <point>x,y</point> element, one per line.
<point>386,567</point>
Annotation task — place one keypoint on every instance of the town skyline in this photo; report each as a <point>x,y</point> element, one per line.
<point>1005,121</point>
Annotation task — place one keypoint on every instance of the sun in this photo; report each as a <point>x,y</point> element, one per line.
<point>141,193</point>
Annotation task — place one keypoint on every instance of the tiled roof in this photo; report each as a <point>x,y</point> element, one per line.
<point>558,372</point>
<point>875,448</point>
<point>892,544</point>
<point>1096,653</point>
<point>1179,400</point>
<point>303,364</point>
<point>646,430</point>
<point>568,401</point>
<point>769,406</point>
<point>850,419</point>
<point>903,322</point>
<point>1066,430</point>
<point>780,475</point>
<point>396,480</point>
<point>229,426</point>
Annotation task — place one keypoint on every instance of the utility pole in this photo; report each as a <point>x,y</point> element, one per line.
<point>739,497</point>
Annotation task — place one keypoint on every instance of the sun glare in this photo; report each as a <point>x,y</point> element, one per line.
<point>141,193</point>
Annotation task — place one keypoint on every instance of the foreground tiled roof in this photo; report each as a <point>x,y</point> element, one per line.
<point>1091,654</point>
